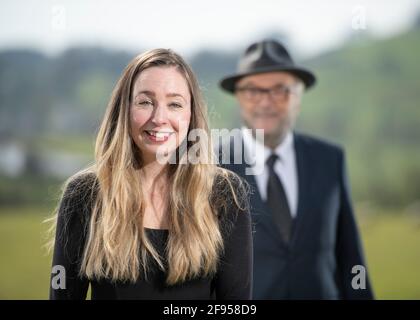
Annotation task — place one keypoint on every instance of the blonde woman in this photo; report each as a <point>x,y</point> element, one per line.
<point>136,227</point>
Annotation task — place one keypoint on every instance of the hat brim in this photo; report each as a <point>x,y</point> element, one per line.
<point>306,76</point>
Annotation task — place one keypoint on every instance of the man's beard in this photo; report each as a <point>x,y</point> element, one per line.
<point>272,140</point>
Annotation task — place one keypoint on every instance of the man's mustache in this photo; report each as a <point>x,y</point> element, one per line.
<point>264,114</point>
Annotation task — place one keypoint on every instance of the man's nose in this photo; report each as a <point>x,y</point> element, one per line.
<point>160,115</point>
<point>265,100</point>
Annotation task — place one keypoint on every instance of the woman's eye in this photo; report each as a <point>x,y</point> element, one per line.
<point>144,103</point>
<point>175,105</point>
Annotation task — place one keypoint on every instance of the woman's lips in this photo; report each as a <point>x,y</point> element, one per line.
<point>158,136</point>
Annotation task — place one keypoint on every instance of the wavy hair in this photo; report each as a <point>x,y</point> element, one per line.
<point>117,246</point>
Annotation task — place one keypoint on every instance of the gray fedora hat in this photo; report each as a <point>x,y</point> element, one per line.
<point>266,56</point>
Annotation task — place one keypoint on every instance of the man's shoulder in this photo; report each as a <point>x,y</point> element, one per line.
<point>317,144</point>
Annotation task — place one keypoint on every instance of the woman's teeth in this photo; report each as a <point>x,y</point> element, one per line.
<point>159,135</point>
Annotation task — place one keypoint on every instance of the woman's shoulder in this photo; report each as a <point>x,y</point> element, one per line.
<point>230,187</point>
<point>81,180</point>
<point>230,198</point>
<point>74,212</point>
<point>80,185</point>
<point>79,193</point>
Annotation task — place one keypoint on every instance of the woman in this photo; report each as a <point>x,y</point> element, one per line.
<point>135,226</point>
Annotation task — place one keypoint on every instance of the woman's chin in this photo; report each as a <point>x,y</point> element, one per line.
<point>161,154</point>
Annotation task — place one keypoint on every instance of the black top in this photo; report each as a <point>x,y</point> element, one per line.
<point>233,279</point>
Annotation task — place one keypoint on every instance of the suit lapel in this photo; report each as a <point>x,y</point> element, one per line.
<point>259,210</point>
<point>302,164</point>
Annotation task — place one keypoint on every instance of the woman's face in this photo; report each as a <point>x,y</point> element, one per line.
<point>160,111</point>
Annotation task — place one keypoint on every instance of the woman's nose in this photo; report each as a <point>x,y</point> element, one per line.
<point>160,115</point>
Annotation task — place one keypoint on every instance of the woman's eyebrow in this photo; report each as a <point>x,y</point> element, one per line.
<point>151,93</point>
<point>146,92</point>
<point>173,94</point>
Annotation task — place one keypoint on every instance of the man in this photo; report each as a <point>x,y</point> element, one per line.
<point>306,241</point>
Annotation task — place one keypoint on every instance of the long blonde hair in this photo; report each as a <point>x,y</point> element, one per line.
<point>117,246</point>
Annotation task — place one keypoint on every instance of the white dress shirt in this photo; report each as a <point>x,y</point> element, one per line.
<point>285,167</point>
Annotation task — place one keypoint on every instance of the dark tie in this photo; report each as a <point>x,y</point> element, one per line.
<point>277,200</point>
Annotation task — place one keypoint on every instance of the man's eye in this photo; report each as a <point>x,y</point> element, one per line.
<point>253,90</point>
<point>280,89</point>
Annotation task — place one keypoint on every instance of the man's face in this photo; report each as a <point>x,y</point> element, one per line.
<point>270,101</point>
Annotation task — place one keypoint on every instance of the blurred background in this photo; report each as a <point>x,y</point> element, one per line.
<point>59,61</point>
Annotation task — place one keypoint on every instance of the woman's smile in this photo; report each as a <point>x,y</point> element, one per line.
<point>158,136</point>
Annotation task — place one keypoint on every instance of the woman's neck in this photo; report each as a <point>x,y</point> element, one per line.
<point>154,177</point>
<point>154,174</point>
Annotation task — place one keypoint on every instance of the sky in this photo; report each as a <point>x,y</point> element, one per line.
<point>188,26</point>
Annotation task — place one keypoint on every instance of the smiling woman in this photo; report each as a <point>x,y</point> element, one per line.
<point>161,110</point>
<point>136,228</point>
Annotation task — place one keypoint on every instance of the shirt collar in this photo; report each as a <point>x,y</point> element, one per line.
<point>262,152</point>
<point>284,149</point>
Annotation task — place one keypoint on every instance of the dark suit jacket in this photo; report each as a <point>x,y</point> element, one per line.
<point>325,244</point>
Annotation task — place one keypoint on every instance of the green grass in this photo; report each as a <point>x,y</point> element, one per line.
<point>391,245</point>
<point>25,266</point>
